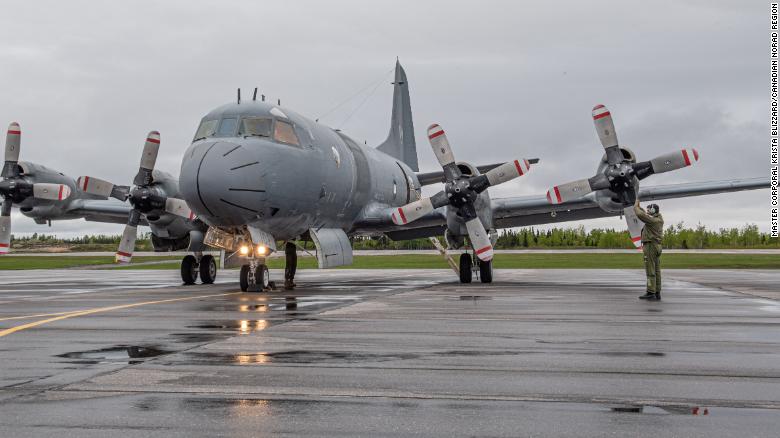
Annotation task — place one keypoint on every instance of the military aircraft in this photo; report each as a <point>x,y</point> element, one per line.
<point>257,173</point>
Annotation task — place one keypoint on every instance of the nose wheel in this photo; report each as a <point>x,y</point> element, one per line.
<point>254,277</point>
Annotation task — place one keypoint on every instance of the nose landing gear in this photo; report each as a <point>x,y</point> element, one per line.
<point>255,277</point>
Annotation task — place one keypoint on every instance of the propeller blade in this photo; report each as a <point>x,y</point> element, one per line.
<point>179,207</point>
<point>412,211</point>
<point>508,171</point>
<point>127,244</point>
<point>5,228</point>
<point>674,160</point>
<point>95,186</point>
<point>569,191</point>
<point>479,239</point>
<point>443,151</point>
<point>148,159</point>
<point>605,128</point>
<point>634,226</point>
<point>12,144</point>
<point>53,192</point>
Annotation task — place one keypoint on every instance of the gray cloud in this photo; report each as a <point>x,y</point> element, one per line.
<point>88,80</point>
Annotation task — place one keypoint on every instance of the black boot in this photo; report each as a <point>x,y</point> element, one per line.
<point>650,296</point>
<point>658,296</point>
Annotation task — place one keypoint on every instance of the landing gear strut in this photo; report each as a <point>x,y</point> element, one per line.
<point>191,266</point>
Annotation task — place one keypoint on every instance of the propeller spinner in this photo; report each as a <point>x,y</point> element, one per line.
<point>16,189</point>
<point>460,192</point>
<point>144,197</point>
<point>620,175</point>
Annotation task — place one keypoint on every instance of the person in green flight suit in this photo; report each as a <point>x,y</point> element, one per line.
<point>652,236</point>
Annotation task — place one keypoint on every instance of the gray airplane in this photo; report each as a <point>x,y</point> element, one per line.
<point>257,173</point>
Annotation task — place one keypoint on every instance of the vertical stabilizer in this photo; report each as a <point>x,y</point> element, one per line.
<point>400,141</point>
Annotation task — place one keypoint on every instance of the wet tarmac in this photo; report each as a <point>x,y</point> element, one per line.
<point>390,353</point>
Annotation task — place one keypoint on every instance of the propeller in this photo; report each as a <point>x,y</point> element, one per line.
<point>16,189</point>
<point>620,175</point>
<point>460,192</point>
<point>144,196</point>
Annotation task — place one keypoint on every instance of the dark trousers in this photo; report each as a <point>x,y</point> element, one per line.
<point>291,261</point>
<point>652,253</point>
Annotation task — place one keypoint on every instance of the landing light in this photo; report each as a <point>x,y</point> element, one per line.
<point>261,250</point>
<point>244,250</point>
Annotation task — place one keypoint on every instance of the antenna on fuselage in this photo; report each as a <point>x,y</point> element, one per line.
<point>254,96</point>
<point>262,96</point>
<point>239,96</point>
<point>278,102</point>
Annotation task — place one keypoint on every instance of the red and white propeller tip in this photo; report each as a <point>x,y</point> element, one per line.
<point>12,141</point>
<point>412,211</point>
<point>569,191</point>
<point>95,186</point>
<point>605,127</point>
<point>52,192</point>
<point>126,245</point>
<point>480,241</point>
<point>508,171</point>
<point>674,160</point>
<point>440,145</point>
<point>634,226</point>
<point>5,234</point>
<point>151,148</point>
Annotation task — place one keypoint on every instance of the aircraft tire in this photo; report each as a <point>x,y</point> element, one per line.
<point>189,269</point>
<point>486,271</point>
<point>465,268</point>
<point>208,269</point>
<point>263,277</point>
<point>243,278</point>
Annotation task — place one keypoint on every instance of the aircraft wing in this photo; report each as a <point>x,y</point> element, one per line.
<point>536,210</point>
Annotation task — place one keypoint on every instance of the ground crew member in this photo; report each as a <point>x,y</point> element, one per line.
<point>652,236</point>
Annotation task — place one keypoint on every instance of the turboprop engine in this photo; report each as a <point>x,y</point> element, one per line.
<point>616,182</point>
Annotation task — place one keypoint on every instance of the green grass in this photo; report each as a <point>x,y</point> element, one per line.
<point>540,261</point>
<point>10,262</point>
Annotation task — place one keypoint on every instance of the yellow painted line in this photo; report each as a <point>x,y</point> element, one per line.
<point>37,316</point>
<point>76,313</point>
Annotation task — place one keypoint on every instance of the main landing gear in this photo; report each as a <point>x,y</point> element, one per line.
<point>470,264</point>
<point>192,265</point>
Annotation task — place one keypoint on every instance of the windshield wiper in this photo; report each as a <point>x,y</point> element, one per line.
<point>198,139</point>
<point>255,135</point>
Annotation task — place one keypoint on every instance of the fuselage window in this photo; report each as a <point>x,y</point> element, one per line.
<point>255,127</point>
<point>206,129</point>
<point>284,133</point>
<point>227,128</point>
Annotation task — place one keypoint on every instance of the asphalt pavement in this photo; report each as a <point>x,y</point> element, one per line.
<point>390,353</point>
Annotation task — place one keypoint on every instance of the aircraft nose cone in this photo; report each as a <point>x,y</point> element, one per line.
<point>222,182</point>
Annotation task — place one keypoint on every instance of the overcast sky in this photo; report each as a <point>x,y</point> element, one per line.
<point>88,80</point>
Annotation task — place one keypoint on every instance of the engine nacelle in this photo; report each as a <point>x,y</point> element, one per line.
<point>43,209</point>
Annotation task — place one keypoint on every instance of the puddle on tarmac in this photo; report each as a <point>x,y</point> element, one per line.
<point>131,354</point>
<point>297,356</point>
<point>631,354</point>
<point>657,410</point>
<point>474,297</point>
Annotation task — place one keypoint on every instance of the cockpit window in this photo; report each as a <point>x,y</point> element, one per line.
<point>284,133</point>
<point>206,129</point>
<point>227,127</point>
<point>255,127</point>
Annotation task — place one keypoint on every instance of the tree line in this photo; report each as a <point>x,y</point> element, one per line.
<point>676,236</point>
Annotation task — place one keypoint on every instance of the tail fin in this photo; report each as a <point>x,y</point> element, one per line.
<point>400,141</point>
